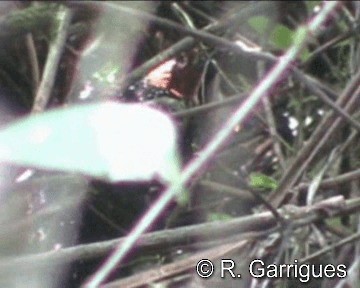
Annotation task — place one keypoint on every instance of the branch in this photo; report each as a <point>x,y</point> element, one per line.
<point>331,182</point>
<point>318,139</point>
<point>168,270</point>
<point>256,223</point>
<point>42,97</point>
<point>213,146</point>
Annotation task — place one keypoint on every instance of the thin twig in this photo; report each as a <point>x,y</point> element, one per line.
<point>327,45</point>
<point>34,64</point>
<point>353,238</point>
<point>208,152</point>
<point>335,181</point>
<point>243,194</point>
<point>186,43</point>
<point>352,274</point>
<point>177,236</point>
<point>273,133</point>
<point>42,97</point>
<point>310,85</point>
<point>168,270</point>
<point>210,106</point>
<point>319,137</point>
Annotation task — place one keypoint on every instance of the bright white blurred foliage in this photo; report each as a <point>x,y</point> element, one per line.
<point>110,141</point>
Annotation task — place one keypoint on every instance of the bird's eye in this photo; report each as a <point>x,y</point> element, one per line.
<point>182,61</point>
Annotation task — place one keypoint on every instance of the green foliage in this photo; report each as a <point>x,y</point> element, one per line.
<point>261,181</point>
<point>280,36</point>
<point>259,24</point>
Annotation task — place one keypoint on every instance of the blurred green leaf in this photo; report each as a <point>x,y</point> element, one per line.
<point>261,181</point>
<point>281,37</point>
<point>111,141</point>
<point>259,24</point>
<point>305,54</point>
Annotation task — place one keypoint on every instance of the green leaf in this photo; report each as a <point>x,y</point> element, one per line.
<point>281,37</point>
<point>111,141</point>
<point>305,54</point>
<point>212,217</point>
<point>259,24</point>
<point>261,181</point>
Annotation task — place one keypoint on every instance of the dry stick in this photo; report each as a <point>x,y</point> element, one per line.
<point>62,22</point>
<point>199,35</point>
<point>173,50</point>
<point>317,140</point>
<point>213,146</point>
<point>343,178</point>
<point>331,182</point>
<point>177,267</point>
<point>353,270</point>
<point>216,230</point>
<point>336,125</point>
<point>243,194</point>
<point>168,270</point>
<point>211,106</point>
<point>270,119</point>
<point>34,63</point>
<point>344,146</point>
<point>337,154</point>
<point>202,35</point>
<point>345,241</point>
<point>188,42</point>
<point>217,41</point>
<point>106,220</point>
<point>180,266</point>
<point>329,91</point>
<point>327,45</point>
<point>273,133</point>
<point>310,85</point>
<point>170,237</point>
<point>199,12</point>
<point>205,108</point>
<point>348,240</point>
<point>212,39</point>
<point>314,87</point>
